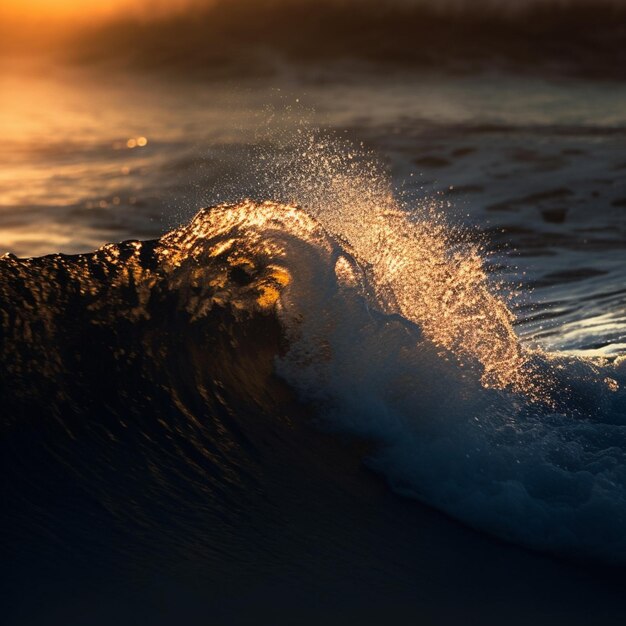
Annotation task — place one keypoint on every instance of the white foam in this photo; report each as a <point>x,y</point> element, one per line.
<point>551,477</point>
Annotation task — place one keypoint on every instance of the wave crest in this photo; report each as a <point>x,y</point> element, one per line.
<point>390,330</point>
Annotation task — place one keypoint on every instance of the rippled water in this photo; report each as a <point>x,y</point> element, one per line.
<point>537,168</point>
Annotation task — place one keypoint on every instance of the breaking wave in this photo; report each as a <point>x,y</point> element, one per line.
<point>384,326</point>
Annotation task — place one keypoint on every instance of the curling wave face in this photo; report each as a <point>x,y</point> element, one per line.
<point>385,325</point>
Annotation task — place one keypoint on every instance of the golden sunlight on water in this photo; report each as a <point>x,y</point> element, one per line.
<point>71,147</point>
<point>419,266</point>
<point>415,272</point>
<point>446,292</point>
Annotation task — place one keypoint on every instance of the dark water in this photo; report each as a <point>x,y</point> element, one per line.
<point>186,422</point>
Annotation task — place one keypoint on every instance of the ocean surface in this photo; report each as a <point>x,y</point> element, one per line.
<point>382,378</point>
<point>536,166</point>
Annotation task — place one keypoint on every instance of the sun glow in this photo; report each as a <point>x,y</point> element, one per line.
<point>61,8</point>
<point>86,9</point>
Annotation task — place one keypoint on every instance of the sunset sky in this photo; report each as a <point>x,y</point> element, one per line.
<point>77,9</point>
